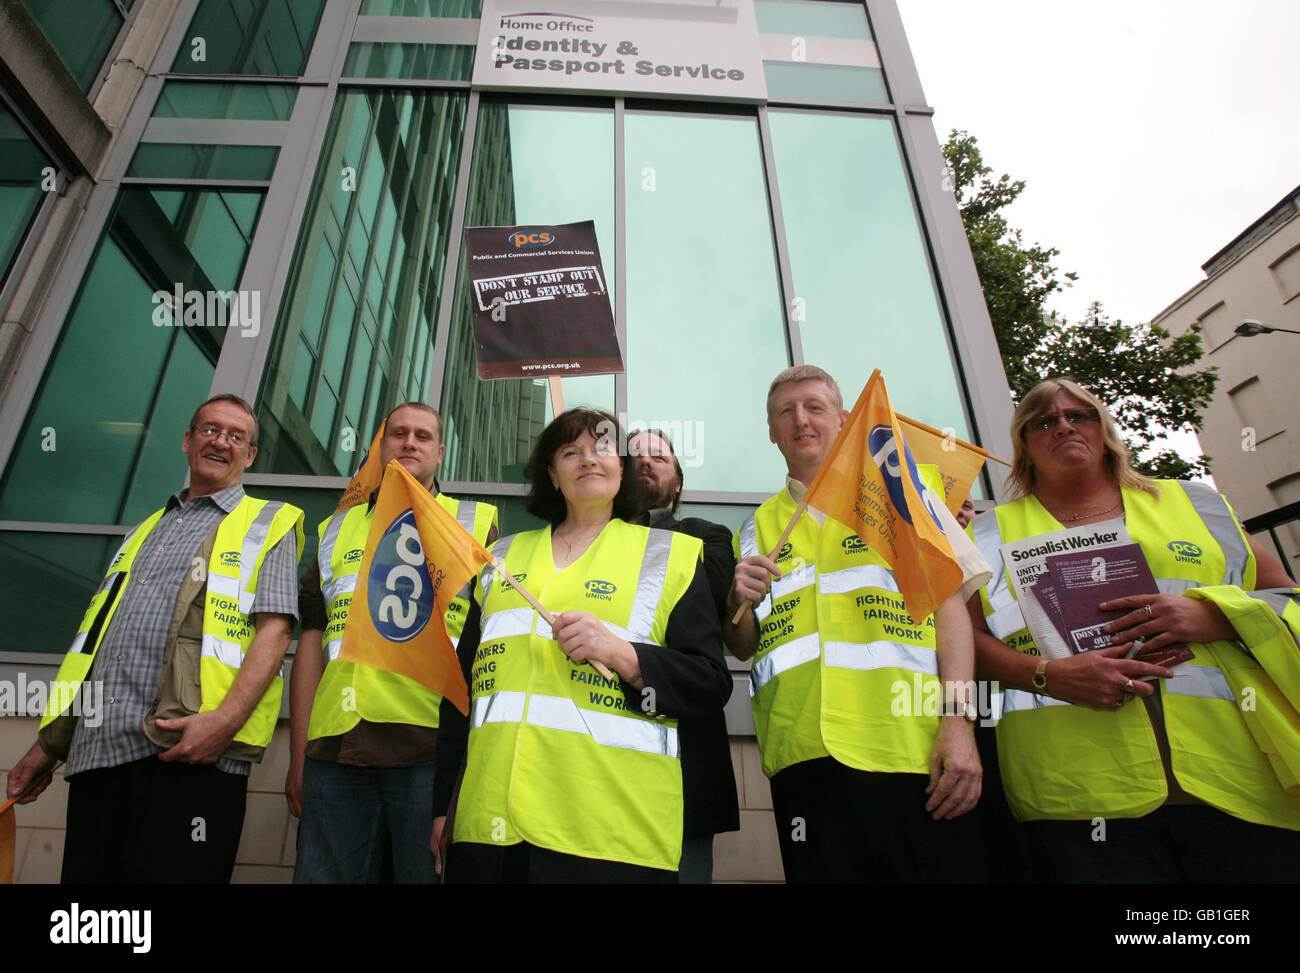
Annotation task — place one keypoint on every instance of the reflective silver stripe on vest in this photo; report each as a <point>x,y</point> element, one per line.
<point>487,575</point>
<point>325,555</point>
<point>782,659</point>
<point>227,653</point>
<point>1223,526</point>
<point>649,585</point>
<point>506,624</point>
<point>1206,682</point>
<point>748,542</point>
<point>224,585</point>
<point>466,511</point>
<point>1014,700</point>
<point>988,538</point>
<point>78,642</point>
<point>793,581</point>
<point>606,729</point>
<point>1175,586</point>
<point>881,655</point>
<point>252,545</point>
<point>1276,598</point>
<point>499,707</point>
<point>851,579</point>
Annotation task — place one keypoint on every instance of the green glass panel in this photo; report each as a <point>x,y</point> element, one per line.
<point>299,383</point>
<point>81,41</point>
<point>705,330</point>
<point>216,240</point>
<point>116,462</point>
<point>193,161</point>
<point>22,174</point>
<point>161,467</point>
<point>421,8</point>
<point>429,62</point>
<point>270,38</point>
<point>531,165</point>
<point>795,81</point>
<point>46,581</point>
<point>815,18</point>
<point>169,202</point>
<point>244,207</point>
<point>385,185</point>
<point>199,99</point>
<point>849,216</point>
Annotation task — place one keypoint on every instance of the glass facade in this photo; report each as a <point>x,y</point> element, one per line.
<point>269,38</point>
<point>736,239</point>
<point>25,176</point>
<point>82,41</point>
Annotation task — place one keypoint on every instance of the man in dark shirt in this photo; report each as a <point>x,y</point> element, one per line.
<point>708,779</point>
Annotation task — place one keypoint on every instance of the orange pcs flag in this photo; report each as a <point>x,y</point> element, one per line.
<point>864,484</point>
<point>366,480</point>
<point>417,559</point>
<point>959,462</point>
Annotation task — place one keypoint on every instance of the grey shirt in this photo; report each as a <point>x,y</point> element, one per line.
<point>129,660</point>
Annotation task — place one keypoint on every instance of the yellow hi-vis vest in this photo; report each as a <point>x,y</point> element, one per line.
<point>557,757</point>
<point>842,669</point>
<point>1065,762</point>
<point>243,539</point>
<point>349,692</point>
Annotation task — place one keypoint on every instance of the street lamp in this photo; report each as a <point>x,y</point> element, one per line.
<point>1248,329</point>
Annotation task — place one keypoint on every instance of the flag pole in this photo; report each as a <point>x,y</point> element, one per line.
<point>785,536</point>
<point>550,618</point>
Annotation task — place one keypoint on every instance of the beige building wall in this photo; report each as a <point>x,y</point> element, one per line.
<point>1252,428</point>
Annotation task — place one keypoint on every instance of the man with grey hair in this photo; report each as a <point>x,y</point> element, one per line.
<point>864,788</point>
<point>186,635</point>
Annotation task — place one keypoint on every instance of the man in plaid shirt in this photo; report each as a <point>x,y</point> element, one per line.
<point>157,786</point>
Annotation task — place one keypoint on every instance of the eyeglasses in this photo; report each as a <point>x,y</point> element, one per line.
<point>236,439</point>
<point>1075,417</point>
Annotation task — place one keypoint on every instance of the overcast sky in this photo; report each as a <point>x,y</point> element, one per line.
<point>1149,132</point>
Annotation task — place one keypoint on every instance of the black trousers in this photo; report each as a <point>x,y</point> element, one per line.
<point>152,821</point>
<point>837,824</point>
<point>1173,844</point>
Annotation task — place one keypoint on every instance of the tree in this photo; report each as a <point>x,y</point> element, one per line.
<point>1143,374</point>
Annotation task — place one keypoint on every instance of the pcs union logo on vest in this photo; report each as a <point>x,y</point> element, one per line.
<point>230,559</point>
<point>600,590</point>
<point>1185,551</point>
<point>399,591</point>
<point>853,545</point>
<point>353,556</point>
<point>785,552</point>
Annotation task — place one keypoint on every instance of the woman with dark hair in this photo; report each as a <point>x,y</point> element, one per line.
<point>570,775</point>
<point>1176,787</point>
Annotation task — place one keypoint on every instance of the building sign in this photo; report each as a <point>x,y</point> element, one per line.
<point>540,304</point>
<point>679,47</point>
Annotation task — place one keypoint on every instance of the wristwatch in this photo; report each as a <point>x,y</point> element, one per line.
<point>1040,674</point>
<point>965,710</point>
